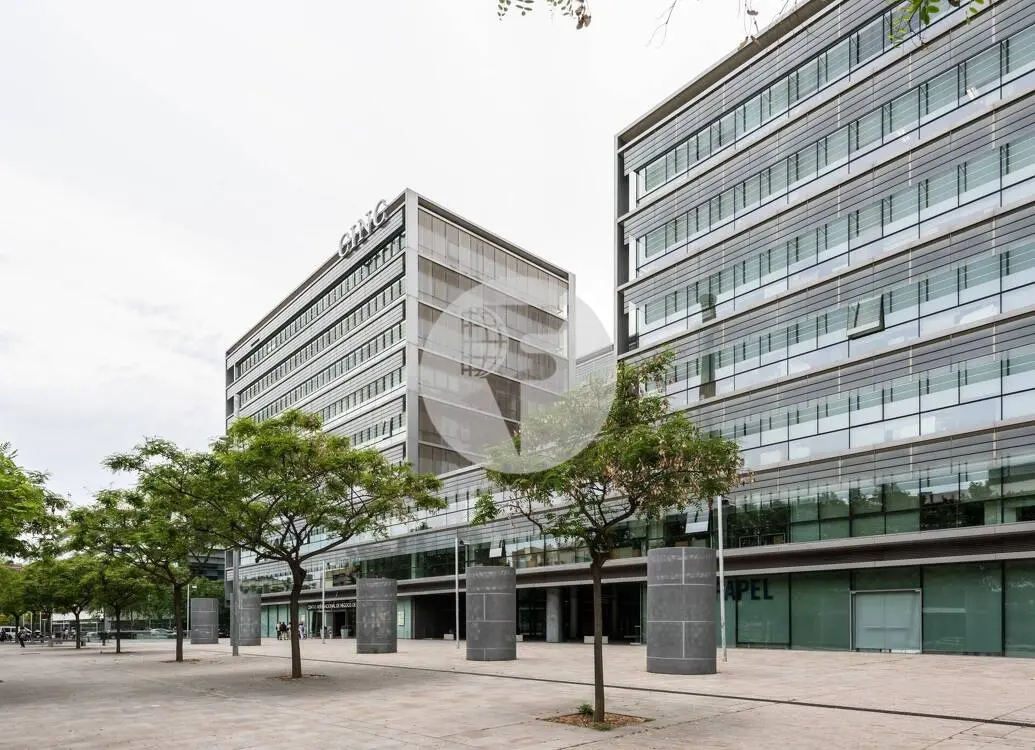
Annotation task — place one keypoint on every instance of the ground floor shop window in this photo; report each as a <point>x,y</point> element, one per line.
<point>1019,607</point>
<point>820,616</point>
<point>983,608</point>
<point>963,608</point>
<point>763,609</point>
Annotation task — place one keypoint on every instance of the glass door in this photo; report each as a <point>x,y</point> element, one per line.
<point>886,621</point>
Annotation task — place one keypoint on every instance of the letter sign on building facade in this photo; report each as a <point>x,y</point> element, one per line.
<point>362,229</point>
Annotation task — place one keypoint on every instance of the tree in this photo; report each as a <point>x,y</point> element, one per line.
<point>578,10</point>
<point>12,593</point>
<point>120,588</point>
<point>74,580</point>
<point>38,589</point>
<point>28,510</point>
<point>644,463</point>
<point>287,491</point>
<point>150,529</point>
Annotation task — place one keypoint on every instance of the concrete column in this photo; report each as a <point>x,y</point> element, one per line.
<point>491,613</point>
<point>553,615</point>
<point>573,613</point>
<point>681,610</point>
<point>376,616</point>
<point>204,621</point>
<point>249,628</point>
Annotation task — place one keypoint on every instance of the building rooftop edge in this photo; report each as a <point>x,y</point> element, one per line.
<point>393,206</point>
<point>747,50</point>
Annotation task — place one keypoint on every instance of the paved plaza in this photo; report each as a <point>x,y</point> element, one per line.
<point>429,696</point>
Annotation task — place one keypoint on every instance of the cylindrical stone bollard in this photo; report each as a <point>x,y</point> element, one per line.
<point>376,616</point>
<point>249,623</point>
<point>491,613</point>
<point>681,610</point>
<point>204,621</point>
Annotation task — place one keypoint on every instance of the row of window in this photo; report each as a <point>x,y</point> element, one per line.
<point>946,91</point>
<point>383,429</point>
<point>435,460</point>
<point>837,243</point>
<point>973,393</point>
<point>516,317</point>
<point>341,367</point>
<point>343,327</point>
<point>482,349</point>
<point>859,47</point>
<point>941,495</point>
<point>371,390</point>
<point>961,294</point>
<point>381,257</point>
<point>490,393</point>
<point>483,260</point>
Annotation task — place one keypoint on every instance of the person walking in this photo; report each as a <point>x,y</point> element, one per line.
<point>284,631</point>
<point>21,637</point>
<point>279,632</point>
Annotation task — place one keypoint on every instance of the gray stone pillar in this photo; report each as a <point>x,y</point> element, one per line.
<point>249,613</point>
<point>553,615</point>
<point>376,616</point>
<point>491,613</point>
<point>681,610</point>
<point>204,621</point>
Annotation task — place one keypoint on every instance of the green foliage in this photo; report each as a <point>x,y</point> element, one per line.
<point>586,709</point>
<point>12,591</point>
<point>39,591</point>
<point>287,479</point>
<point>576,9</point>
<point>120,588</point>
<point>644,463</point>
<point>29,512</point>
<point>150,528</point>
<point>281,488</point>
<point>923,10</point>
<point>74,582</point>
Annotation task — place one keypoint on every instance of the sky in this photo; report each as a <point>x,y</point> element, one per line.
<point>169,172</point>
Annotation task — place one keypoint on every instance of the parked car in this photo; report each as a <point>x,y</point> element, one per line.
<point>163,633</point>
<point>224,632</point>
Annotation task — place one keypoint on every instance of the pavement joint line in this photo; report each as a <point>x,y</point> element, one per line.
<point>670,691</point>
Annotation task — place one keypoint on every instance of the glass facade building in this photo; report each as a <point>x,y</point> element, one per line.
<point>378,343</point>
<point>833,231</point>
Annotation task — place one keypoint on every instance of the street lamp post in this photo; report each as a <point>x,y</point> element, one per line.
<point>323,604</point>
<point>456,586</point>
<point>722,582</point>
<point>188,611</point>
<point>235,620</point>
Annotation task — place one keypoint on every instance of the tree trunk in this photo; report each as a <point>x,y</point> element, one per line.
<point>598,641</point>
<point>78,631</point>
<point>118,630</point>
<point>297,579</point>
<point>177,606</point>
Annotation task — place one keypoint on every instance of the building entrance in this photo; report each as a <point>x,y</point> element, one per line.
<point>342,622</point>
<point>886,621</point>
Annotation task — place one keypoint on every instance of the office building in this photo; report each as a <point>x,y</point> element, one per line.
<point>422,333</point>
<point>832,229</point>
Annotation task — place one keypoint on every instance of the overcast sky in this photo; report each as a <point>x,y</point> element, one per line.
<point>169,172</point>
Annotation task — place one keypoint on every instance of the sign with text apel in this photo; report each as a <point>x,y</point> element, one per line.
<point>362,229</point>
